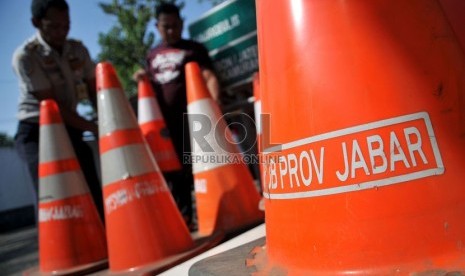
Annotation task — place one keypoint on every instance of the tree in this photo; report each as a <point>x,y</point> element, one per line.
<point>5,140</point>
<point>127,43</point>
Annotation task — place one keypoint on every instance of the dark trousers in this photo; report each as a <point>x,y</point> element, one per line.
<point>181,183</point>
<point>27,146</point>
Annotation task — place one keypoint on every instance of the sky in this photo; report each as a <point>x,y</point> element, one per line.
<point>87,21</point>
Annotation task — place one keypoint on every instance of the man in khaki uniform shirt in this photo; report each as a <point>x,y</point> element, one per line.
<point>50,66</point>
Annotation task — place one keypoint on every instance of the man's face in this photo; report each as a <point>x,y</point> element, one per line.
<point>170,27</point>
<point>54,27</point>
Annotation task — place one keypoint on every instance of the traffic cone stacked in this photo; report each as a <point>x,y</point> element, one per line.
<point>71,234</point>
<point>367,101</point>
<point>226,197</point>
<point>154,129</point>
<point>144,226</point>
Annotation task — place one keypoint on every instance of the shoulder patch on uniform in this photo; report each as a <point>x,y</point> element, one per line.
<point>31,46</point>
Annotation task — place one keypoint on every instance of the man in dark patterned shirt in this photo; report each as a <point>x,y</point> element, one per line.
<point>165,67</point>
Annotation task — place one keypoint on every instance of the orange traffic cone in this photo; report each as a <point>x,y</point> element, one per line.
<point>144,226</point>
<point>367,102</point>
<point>71,234</point>
<point>226,196</point>
<point>154,129</point>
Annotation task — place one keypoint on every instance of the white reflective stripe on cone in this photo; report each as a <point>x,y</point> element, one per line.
<point>148,110</point>
<point>54,143</point>
<point>61,186</point>
<point>126,162</point>
<point>114,112</point>
<point>204,159</point>
<point>258,111</point>
<point>150,154</point>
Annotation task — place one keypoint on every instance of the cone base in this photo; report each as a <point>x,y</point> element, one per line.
<point>230,202</point>
<point>252,259</point>
<point>78,270</point>
<point>235,264</point>
<point>261,264</point>
<point>201,244</point>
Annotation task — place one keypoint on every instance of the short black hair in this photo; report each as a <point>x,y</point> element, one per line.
<point>40,7</point>
<point>166,8</point>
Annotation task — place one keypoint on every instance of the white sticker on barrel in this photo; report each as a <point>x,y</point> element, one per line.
<point>366,156</point>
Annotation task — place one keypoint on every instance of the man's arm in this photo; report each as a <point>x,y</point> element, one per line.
<point>89,74</point>
<point>92,90</point>
<point>209,76</point>
<point>139,74</point>
<point>212,83</point>
<point>69,117</point>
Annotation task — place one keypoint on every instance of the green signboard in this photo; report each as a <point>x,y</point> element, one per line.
<point>236,63</point>
<point>229,32</point>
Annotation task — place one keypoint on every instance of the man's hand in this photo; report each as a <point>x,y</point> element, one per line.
<point>139,74</point>
<point>212,84</point>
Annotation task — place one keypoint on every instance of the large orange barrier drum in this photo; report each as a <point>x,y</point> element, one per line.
<point>453,10</point>
<point>364,169</point>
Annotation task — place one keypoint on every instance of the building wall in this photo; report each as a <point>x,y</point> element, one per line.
<point>16,192</point>
<point>15,186</point>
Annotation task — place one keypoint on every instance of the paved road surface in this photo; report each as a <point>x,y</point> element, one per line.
<point>18,251</point>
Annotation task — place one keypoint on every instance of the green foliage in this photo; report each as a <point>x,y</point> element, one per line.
<point>129,40</point>
<point>5,140</point>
